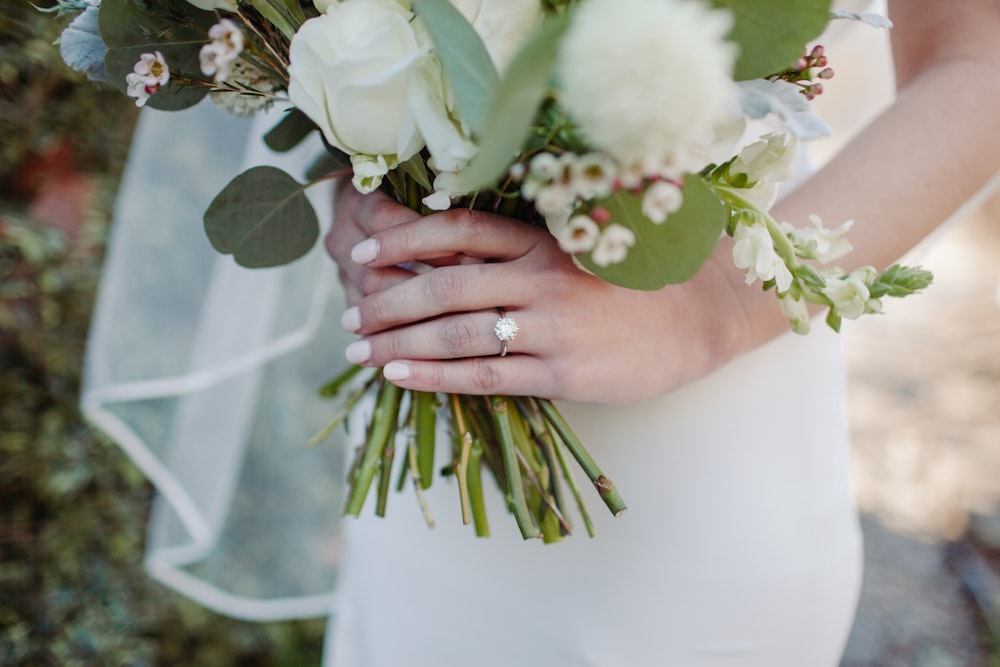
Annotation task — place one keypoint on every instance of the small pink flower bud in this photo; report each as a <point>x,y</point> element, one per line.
<point>600,215</point>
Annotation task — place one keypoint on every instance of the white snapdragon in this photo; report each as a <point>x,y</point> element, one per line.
<point>797,313</point>
<point>660,200</point>
<point>623,62</point>
<point>754,251</point>
<point>217,57</point>
<point>817,242</point>
<point>851,296</point>
<point>770,158</point>
<point>366,76</point>
<point>148,74</point>
<point>613,245</point>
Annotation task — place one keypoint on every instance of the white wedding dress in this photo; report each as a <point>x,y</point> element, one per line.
<point>740,547</point>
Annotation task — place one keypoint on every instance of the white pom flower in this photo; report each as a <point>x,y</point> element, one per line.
<point>754,251</point>
<point>660,200</point>
<point>650,81</point>
<point>612,247</point>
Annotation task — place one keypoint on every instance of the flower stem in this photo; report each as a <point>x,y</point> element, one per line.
<point>382,425</point>
<point>605,487</point>
<point>425,433</point>
<point>411,461</point>
<point>475,486</point>
<point>515,489</point>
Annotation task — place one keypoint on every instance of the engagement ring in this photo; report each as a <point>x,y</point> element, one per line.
<point>505,330</point>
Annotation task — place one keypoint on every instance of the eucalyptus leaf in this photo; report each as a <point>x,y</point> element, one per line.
<point>514,106</point>
<point>772,33</point>
<point>175,28</point>
<point>262,218</point>
<point>467,64</point>
<point>667,253</point>
<point>326,164</point>
<point>289,131</point>
<point>286,15</point>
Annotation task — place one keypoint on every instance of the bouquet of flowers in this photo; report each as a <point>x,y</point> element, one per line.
<point>617,124</point>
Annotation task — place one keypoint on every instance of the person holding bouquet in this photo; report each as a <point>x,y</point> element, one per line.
<point>741,546</point>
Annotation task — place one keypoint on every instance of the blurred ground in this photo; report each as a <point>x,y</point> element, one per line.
<point>925,411</point>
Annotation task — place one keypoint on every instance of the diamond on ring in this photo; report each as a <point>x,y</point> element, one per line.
<point>506,330</point>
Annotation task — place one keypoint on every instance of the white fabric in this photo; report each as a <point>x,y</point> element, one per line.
<point>206,374</point>
<point>740,546</point>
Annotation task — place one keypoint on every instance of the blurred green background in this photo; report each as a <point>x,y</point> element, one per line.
<point>73,508</point>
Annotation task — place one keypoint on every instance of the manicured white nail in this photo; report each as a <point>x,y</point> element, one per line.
<point>351,319</point>
<point>365,251</point>
<point>396,370</point>
<point>358,352</point>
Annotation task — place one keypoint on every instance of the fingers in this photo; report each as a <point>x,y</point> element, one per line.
<point>449,289</point>
<point>456,232</point>
<point>450,337</point>
<point>518,375</point>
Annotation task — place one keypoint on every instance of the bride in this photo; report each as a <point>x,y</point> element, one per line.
<point>726,434</point>
<point>741,546</point>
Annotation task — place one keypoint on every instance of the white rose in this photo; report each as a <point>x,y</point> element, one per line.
<point>366,77</point>
<point>503,25</point>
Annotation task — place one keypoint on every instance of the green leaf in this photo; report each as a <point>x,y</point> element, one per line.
<point>326,164</point>
<point>175,28</point>
<point>289,131</point>
<point>514,106</point>
<point>466,62</point>
<point>771,34</point>
<point>666,253</point>
<point>262,218</point>
<point>286,15</point>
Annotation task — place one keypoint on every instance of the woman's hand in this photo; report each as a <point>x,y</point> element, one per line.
<point>580,338</point>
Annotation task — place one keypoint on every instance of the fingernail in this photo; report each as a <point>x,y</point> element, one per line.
<point>396,370</point>
<point>351,319</point>
<point>358,352</point>
<point>365,251</point>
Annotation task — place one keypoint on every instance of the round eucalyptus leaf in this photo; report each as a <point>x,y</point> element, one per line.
<point>262,218</point>
<point>669,252</point>
<point>175,28</point>
<point>772,33</point>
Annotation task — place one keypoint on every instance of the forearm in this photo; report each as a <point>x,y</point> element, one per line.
<point>918,162</point>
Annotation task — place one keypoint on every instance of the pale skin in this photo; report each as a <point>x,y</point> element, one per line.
<point>582,339</point>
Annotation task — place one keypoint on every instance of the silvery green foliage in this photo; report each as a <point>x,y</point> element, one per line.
<point>875,20</point>
<point>760,97</point>
<point>81,45</point>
